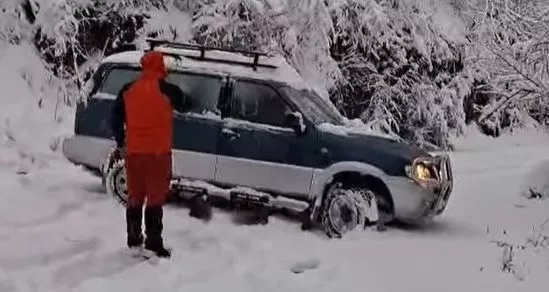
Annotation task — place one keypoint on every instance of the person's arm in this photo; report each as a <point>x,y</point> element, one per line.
<point>118,117</point>
<point>176,96</point>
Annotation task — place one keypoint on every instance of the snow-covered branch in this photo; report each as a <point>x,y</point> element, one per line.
<point>509,41</point>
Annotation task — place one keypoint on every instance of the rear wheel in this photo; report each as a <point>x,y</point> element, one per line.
<point>117,183</point>
<point>115,179</point>
<point>114,176</point>
<point>346,208</point>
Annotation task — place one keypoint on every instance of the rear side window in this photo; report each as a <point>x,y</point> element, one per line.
<point>201,91</point>
<point>117,78</point>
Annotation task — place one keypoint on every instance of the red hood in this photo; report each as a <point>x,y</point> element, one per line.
<point>153,65</point>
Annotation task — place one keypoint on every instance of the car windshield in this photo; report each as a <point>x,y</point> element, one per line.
<point>313,106</point>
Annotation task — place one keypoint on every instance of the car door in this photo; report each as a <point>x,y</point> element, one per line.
<point>257,148</point>
<point>197,126</point>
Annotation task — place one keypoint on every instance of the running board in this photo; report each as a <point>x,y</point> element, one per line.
<point>241,196</point>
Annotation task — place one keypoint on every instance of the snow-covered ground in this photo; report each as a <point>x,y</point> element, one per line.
<point>60,232</point>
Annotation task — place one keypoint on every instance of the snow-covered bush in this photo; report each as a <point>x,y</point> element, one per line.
<point>536,182</point>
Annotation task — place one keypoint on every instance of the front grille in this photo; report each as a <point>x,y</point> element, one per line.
<point>446,185</point>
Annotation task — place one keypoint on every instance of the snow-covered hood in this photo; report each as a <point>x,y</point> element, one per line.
<point>387,153</point>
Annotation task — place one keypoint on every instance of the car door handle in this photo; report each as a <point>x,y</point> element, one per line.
<point>230,134</point>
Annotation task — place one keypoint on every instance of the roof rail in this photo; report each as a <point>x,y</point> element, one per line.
<point>153,43</point>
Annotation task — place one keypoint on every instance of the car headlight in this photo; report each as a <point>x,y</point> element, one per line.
<point>421,170</point>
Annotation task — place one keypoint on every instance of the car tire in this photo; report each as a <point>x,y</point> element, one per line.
<point>107,165</point>
<point>346,208</point>
<point>116,181</point>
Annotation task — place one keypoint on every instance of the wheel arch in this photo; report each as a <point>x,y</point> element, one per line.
<point>352,172</point>
<point>375,183</point>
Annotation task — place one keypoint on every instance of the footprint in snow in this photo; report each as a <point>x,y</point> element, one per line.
<point>301,267</point>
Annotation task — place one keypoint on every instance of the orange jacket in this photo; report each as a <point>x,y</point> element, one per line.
<point>146,107</point>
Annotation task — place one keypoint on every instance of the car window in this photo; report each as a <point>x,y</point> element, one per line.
<point>313,106</point>
<point>201,91</point>
<point>259,103</point>
<point>117,78</point>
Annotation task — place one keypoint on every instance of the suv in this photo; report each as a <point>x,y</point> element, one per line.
<point>256,133</point>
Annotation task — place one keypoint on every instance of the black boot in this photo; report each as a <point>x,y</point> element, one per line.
<point>134,216</point>
<point>153,230</point>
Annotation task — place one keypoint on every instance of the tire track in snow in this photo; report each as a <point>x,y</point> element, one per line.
<point>62,212</point>
<point>33,260</point>
<point>93,265</point>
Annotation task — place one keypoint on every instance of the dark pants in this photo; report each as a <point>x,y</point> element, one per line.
<point>148,178</point>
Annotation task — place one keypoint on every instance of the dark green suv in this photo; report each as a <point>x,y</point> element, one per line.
<point>255,132</point>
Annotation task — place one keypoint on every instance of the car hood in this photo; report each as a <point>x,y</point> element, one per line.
<point>384,152</point>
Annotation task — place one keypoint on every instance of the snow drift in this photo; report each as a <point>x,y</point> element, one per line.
<point>536,182</point>
<point>33,115</point>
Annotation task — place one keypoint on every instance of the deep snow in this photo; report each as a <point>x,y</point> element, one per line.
<point>59,231</point>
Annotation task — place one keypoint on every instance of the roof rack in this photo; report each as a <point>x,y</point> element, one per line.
<point>153,43</point>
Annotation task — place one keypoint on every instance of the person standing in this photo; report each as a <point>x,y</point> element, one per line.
<point>145,107</point>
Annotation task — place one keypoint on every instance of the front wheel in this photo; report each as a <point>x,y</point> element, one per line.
<point>346,208</point>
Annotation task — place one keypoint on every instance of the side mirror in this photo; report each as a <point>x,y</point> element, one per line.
<point>296,122</point>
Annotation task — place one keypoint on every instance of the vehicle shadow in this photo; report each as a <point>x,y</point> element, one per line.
<point>96,188</point>
<point>240,216</point>
<point>438,226</point>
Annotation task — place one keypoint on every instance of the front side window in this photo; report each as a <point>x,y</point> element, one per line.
<point>259,103</point>
<point>201,91</point>
<point>313,106</point>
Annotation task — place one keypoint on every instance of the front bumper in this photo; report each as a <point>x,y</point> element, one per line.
<point>416,200</point>
<point>441,188</point>
<point>444,189</point>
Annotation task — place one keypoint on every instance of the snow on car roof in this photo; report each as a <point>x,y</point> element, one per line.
<point>282,73</point>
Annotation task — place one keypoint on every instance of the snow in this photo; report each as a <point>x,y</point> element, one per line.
<point>277,202</point>
<point>104,95</point>
<point>354,126</point>
<point>537,181</point>
<point>59,232</point>
<point>445,18</point>
<point>31,119</point>
<point>129,57</point>
<point>232,122</point>
<point>299,118</point>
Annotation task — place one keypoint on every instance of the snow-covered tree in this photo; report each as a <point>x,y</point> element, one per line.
<point>299,30</point>
<point>509,47</point>
<point>402,75</point>
<point>419,69</point>
<point>380,60</point>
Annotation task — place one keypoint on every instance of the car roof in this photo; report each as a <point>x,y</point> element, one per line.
<point>277,70</point>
